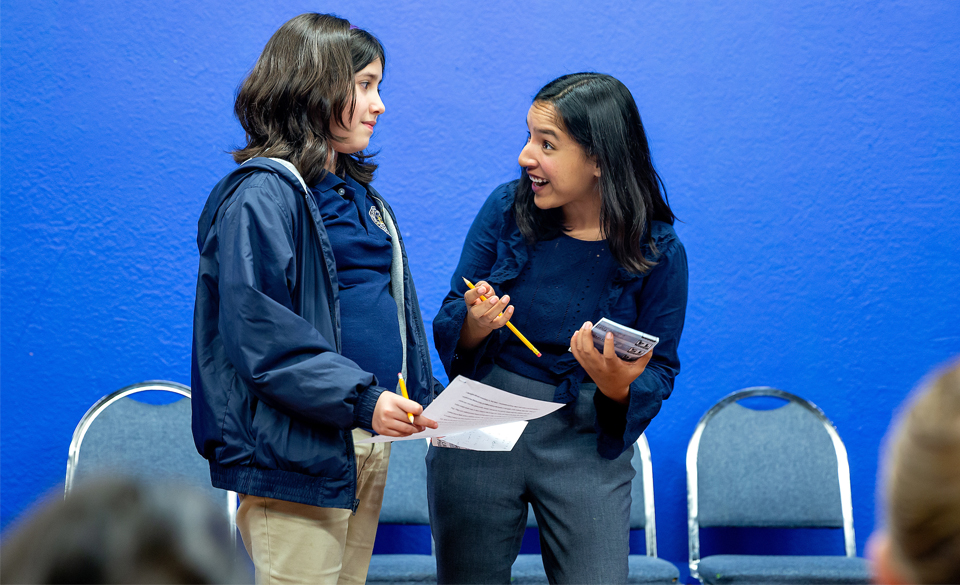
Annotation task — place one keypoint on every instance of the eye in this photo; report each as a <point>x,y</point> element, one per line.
<point>547,145</point>
<point>528,137</point>
<point>364,84</point>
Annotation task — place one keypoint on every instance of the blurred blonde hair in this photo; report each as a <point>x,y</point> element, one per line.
<point>923,483</point>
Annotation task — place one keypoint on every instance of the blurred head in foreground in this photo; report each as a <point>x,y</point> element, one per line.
<point>921,540</point>
<point>122,531</point>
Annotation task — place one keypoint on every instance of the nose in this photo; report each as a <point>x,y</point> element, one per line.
<point>376,106</point>
<point>526,159</point>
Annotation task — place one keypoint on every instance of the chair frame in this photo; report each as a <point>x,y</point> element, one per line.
<point>650,522</point>
<point>73,458</point>
<point>693,448</point>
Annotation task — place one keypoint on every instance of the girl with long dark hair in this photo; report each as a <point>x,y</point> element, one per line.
<point>585,233</point>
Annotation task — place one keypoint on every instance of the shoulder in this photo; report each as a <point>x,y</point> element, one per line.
<point>670,258</point>
<point>504,195</point>
<point>264,188</point>
<point>665,239</point>
<point>498,207</point>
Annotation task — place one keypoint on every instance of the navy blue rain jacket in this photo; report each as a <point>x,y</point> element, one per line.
<point>274,402</point>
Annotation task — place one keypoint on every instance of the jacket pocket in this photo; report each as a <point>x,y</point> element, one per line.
<point>289,444</point>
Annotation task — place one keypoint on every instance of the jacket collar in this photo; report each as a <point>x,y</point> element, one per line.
<point>225,188</point>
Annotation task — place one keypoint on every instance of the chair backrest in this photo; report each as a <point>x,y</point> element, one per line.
<point>782,467</point>
<point>642,511</point>
<point>405,495</point>
<point>122,436</point>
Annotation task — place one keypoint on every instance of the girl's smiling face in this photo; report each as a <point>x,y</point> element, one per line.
<point>366,110</point>
<point>560,170</point>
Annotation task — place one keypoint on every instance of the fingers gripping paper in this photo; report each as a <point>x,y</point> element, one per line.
<point>476,416</point>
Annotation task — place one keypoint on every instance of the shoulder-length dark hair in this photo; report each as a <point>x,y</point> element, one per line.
<point>292,102</point>
<point>599,113</point>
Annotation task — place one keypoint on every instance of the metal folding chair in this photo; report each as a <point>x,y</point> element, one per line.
<point>119,435</point>
<point>784,467</point>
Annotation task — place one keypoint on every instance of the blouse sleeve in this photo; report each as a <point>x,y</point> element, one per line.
<point>476,260</point>
<point>661,303</point>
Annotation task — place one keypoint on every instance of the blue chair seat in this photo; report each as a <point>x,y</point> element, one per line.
<point>528,568</point>
<point>717,569</point>
<point>402,569</point>
<point>643,569</point>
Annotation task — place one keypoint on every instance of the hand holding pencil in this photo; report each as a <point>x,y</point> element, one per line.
<point>395,415</point>
<point>485,315</point>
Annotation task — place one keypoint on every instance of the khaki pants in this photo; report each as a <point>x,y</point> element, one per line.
<point>299,543</point>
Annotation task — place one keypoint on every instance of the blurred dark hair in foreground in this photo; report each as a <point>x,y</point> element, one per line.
<point>120,530</point>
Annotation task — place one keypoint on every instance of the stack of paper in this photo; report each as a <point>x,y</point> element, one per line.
<point>471,415</point>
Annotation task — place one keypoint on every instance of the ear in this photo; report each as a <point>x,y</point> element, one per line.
<point>882,566</point>
<point>596,168</point>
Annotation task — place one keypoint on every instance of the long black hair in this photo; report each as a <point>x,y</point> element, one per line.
<point>599,112</point>
<point>291,103</point>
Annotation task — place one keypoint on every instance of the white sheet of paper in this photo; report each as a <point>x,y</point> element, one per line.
<point>467,405</point>
<point>496,438</point>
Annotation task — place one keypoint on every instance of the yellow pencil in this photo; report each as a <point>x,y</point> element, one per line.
<point>403,390</point>
<point>509,324</point>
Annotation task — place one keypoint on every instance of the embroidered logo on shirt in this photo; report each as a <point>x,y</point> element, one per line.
<point>377,218</point>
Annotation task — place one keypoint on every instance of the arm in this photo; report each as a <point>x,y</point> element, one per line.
<point>282,358</point>
<point>460,356</point>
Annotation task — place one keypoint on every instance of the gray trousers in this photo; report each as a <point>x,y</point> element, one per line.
<point>478,500</point>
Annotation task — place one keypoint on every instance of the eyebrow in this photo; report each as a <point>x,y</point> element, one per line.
<point>546,131</point>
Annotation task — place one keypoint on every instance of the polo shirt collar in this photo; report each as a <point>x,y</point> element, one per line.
<point>329,181</point>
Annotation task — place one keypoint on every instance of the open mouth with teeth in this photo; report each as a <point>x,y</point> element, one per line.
<point>538,183</point>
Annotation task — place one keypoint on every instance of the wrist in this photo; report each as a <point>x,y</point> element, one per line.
<point>618,395</point>
<point>471,335</point>
<point>366,406</point>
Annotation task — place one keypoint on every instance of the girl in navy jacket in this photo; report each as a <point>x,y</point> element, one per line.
<point>306,311</point>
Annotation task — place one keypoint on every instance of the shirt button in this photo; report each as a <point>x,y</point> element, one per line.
<point>341,191</point>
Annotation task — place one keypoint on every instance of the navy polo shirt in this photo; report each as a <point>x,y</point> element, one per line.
<point>370,332</point>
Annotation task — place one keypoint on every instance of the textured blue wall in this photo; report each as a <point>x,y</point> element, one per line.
<point>813,153</point>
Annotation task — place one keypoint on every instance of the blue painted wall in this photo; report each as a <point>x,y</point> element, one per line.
<point>812,151</point>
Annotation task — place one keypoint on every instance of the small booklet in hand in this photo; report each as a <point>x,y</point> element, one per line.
<point>629,343</point>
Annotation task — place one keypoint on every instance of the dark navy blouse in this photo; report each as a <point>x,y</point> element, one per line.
<point>551,301</point>
<point>363,252</point>
<point>654,302</point>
